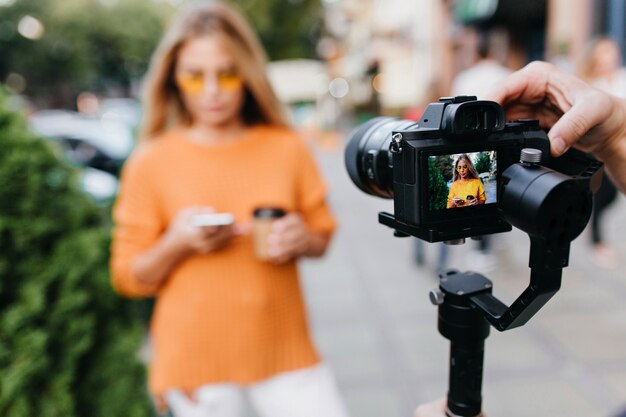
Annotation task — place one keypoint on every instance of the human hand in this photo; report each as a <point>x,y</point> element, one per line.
<point>575,112</point>
<point>432,409</point>
<point>183,234</point>
<point>458,202</point>
<point>288,239</point>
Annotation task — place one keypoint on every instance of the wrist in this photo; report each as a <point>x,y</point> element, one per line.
<point>174,247</point>
<point>305,248</point>
<point>316,244</point>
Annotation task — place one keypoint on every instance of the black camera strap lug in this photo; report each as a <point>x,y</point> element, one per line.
<point>396,143</point>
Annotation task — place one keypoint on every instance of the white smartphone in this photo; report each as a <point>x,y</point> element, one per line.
<point>212,219</point>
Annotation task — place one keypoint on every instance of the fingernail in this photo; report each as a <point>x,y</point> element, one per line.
<point>558,145</point>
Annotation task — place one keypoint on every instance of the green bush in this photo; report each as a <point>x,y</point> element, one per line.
<point>437,188</point>
<point>68,344</point>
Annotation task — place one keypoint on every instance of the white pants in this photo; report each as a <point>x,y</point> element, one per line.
<point>309,392</point>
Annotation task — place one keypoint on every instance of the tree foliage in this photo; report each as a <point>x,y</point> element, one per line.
<point>437,187</point>
<point>445,166</point>
<point>483,163</point>
<point>288,28</point>
<point>85,45</point>
<point>68,344</point>
<point>100,45</point>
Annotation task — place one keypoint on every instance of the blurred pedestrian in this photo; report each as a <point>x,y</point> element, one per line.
<point>226,325</point>
<point>602,69</point>
<point>488,70</point>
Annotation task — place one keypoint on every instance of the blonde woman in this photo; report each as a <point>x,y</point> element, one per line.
<point>225,325</point>
<point>466,189</point>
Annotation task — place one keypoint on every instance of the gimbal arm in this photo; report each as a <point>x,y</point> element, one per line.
<point>544,283</point>
<point>553,208</point>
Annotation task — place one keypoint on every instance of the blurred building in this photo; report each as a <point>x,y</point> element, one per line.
<point>415,44</point>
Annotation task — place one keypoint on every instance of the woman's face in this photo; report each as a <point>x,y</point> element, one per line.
<point>463,169</point>
<point>210,86</point>
<point>606,56</point>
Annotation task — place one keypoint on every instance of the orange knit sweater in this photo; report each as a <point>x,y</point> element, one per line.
<point>224,316</point>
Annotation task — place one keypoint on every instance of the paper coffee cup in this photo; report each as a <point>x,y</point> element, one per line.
<point>264,217</point>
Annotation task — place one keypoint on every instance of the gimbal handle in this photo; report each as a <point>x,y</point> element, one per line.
<point>553,208</point>
<point>466,309</point>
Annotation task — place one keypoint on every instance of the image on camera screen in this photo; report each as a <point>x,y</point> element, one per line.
<point>462,180</point>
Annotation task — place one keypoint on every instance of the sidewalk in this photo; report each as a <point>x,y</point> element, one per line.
<point>373,322</point>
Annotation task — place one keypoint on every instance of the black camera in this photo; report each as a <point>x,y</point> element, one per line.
<point>445,172</point>
<point>462,171</point>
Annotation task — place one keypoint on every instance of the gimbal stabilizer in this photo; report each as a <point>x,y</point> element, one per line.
<point>552,205</point>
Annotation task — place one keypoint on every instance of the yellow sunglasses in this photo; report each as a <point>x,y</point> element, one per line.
<point>193,83</point>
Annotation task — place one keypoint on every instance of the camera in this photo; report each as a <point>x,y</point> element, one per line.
<point>444,172</point>
<point>462,171</point>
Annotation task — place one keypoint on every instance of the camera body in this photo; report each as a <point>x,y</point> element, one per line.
<point>462,171</point>
<point>444,172</point>
<point>448,130</point>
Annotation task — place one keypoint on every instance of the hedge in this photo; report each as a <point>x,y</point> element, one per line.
<point>68,343</point>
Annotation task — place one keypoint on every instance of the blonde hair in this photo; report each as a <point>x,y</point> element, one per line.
<point>470,168</point>
<point>163,106</point>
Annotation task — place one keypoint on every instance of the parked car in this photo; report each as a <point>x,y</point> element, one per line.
<point>98,145</point>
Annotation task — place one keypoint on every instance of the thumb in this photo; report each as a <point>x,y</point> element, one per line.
<point>242,228</point>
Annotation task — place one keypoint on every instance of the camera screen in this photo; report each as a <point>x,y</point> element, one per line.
<point>462,180</point>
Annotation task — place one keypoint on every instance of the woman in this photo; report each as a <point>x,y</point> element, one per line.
<point>214,139</point>
<point>466,189</point>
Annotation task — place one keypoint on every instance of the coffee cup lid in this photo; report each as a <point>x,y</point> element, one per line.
<point>269,212</point>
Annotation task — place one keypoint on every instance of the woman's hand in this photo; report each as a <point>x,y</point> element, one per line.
<point>458,202</point>
<point>181,240</point>
<point>183,234</point>
<point>288,239</point>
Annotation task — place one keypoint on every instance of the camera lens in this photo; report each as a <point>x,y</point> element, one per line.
<point>367,157</point>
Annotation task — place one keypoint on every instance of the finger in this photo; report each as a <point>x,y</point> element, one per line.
<point>242,229</point>
<point>208,231</point>
<point>286,222</point>
<point>585,113</point>
<point>291,239</point>
<point>527,85</point>
<point>281,258</point>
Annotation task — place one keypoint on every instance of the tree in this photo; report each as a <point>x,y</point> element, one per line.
<point>288,29</point>
<point>68,344</point>
<point>483,163</point>
<point>103,45</point>
<point>85,45</point>
<point>437,187</point>
<point>445,166</point>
